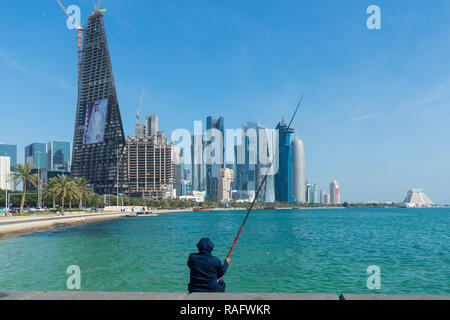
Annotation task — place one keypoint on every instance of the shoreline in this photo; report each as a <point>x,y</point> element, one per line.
<point>14,226</point>
<point>21,225</point>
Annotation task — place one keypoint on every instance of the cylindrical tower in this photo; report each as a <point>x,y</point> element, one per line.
<point>298,171</point>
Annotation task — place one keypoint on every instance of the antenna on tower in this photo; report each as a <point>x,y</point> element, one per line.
<point>138,111</point>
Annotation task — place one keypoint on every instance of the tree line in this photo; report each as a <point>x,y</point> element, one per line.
<point>62,187</point>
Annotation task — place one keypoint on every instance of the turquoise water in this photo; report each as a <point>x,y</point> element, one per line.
<point>279,251</point>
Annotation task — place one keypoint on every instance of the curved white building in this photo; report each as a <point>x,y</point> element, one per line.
<point>298,171</point>
<point>335,196</point>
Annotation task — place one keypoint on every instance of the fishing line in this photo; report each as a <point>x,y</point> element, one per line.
<point>264,180</point>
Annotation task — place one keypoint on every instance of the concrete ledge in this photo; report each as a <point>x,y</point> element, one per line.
<point>262,296</point>
<point>346,296</point>
<point>95,296</point>
<point>18,295</point>
<point>80,295</point>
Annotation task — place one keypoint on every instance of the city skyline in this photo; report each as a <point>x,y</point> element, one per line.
<point>383,137</point>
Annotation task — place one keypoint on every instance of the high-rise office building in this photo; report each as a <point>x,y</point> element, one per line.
<point>178,163</point>
<point>5,171</point>
<point>257,142</point>
<point>298,171</point>
<point>326,198</point>
<point>186,188</point>
<point>267,146</point>
<point>36,154</point>
<point>246,159</point>
<point>187,174</point>
<point>58,155</point>
<point>335,196</point>
<point>99,139</point>
<point>198,168</point>
<point>311,193</point>
<point>8,150</point>
<point>224,184</point>
<point>283,179</point>
<point>322,197</point>
<point>213,169</point>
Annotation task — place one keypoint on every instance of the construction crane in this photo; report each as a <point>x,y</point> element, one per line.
<point>80,31</point>
<point>97,7</point>
<point>138,111</point>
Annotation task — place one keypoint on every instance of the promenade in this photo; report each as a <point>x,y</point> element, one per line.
<point>10,226</point>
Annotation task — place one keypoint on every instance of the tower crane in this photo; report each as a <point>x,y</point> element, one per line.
<point>80,31</point>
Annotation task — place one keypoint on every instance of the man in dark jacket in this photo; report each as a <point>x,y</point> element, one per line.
<point>206,270</point>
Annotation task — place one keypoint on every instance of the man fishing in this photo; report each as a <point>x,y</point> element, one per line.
<point>206,270</point>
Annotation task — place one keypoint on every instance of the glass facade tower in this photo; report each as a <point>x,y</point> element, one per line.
<point>58,155</point>
<point>213,169</point>
<point>36,154</point>
<point>283,178</point>
<point>7,150</point>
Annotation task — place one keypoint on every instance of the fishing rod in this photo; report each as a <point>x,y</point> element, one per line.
<point>263,181</point>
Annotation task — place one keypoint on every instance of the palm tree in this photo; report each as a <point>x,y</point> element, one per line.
<point>73,192</point>
<point>23,174</point>
<point>84,190</point>
<point>63,184</point>
<point>51,190</point>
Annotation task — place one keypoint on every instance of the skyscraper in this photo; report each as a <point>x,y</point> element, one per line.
<point>224,184</point>
<point>257,142</point>
<point>335,197</point>
<point>58,155</point>
<point>311,193</point>
<point>326,198</point>
<point>298,171</point>
<point>267,146</point>
<point>283,179</point>
<point>178,163</point>
<point>8,150</point>
<point>198,169</point>
<point>99,138</point>
<point>246,159</point>
<point>36,154</point>
<point>213,169</point>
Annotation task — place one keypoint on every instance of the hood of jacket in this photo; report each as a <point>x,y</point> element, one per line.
<point>205,245</point>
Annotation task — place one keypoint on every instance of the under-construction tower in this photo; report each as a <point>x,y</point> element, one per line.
<point>99,138</point>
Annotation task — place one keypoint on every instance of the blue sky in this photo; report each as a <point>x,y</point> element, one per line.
<point>376,110</point>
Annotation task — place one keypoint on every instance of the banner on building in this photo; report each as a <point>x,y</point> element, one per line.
<point>94,129</point>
